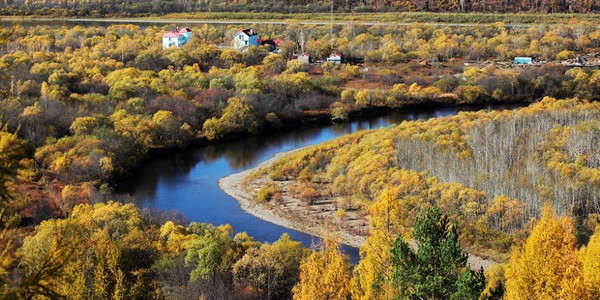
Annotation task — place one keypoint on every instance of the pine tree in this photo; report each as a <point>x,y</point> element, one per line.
<point>439,268</point>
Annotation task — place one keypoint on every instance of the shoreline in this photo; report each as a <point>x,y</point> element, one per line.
<point>232,186</point>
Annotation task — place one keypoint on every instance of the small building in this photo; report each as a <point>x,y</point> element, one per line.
<point>187,32</point>
<point>523,60</point>
<point>245,38</point>
<point>177,37</point>
<point>304,57</point>
<point>335,58</point>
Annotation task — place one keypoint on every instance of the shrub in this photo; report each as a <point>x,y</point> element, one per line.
<point>565,54</point>
<point>265,194</point>
<point>308,195</point>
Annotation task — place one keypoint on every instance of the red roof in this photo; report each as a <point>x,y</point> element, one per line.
<point>304,54</point>
<point>187,29</point>
<point>172,34</point>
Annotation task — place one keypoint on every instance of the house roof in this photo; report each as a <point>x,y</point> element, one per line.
<point>304,54</point>
<point>248,31</point>
<point>172,34</point>
<point>335,55</point>
<point>187,29</point>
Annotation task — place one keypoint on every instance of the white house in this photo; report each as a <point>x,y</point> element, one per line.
<point>177,37</point>
<point>304,57</point>
<point>335,58</point>
<point>245,38</point>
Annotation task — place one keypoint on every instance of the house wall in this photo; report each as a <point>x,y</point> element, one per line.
<point>305,59</point>
<point>253,40</point>
<point>188,36</point>
<point>241,41</point>
<point>173,41</point>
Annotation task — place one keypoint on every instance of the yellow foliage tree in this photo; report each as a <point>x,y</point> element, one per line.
<point>546,266</point>
<point>590,260</point>
<point>371,276</point>
<point>325,274</point>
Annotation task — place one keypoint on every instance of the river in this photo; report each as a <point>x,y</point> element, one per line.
<point>187,181</point>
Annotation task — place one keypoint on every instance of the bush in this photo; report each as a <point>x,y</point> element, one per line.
<point>277,175</point>
<point>565,54</point>
<point>265,194</point>
<point>308,195</point>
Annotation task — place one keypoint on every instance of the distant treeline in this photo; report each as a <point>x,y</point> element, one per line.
<point>102,7</point>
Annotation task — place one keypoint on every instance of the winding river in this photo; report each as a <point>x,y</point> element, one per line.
<point>187,181</point>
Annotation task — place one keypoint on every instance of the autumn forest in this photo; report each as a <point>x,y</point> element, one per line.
<point>495,194</point>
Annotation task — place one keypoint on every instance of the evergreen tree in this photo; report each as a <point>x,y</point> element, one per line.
<point>439,268</point>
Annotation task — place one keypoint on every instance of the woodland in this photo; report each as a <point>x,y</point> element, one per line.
<point>159,7</point>
<point>81,107</point>
<point>492,174</point>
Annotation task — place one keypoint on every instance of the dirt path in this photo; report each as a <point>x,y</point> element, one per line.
<point>233,186</point>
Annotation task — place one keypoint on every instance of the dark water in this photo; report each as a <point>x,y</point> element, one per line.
<point>187,181</point>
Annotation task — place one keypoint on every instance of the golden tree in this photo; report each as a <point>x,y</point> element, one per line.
<point>371,277</point>
<point>590,260</point>
<point>325,274</point>
<point>546,266</point>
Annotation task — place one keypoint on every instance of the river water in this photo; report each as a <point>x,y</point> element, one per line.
<point>187,181</point>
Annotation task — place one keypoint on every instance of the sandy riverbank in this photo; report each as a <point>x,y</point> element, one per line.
<point>233,186</point>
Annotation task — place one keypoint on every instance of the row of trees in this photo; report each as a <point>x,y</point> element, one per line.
<point>128,8</point>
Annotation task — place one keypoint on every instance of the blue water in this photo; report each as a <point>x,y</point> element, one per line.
<point>187,182</point>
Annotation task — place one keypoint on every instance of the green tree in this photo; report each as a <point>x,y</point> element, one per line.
<point>271,269</point>
<point>438,269</point>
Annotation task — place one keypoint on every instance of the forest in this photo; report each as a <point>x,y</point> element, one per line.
<point>94,102</point>
<point>158,7</point>
<point>491,173</point>
<point>82,107</point>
